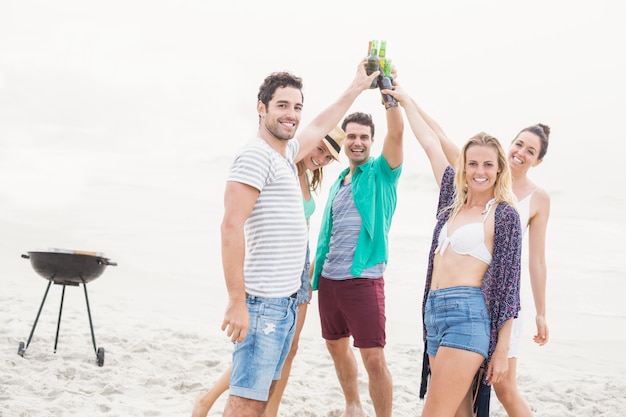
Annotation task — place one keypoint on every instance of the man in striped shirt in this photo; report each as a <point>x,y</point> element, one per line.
<point>264,236</point>
<point>352,255</point>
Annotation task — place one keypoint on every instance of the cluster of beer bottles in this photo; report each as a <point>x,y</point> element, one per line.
<point>377,61</point>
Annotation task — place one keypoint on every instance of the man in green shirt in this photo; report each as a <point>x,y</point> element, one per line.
<point>351,258</point>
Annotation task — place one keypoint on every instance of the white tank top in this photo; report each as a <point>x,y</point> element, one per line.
<point>523,208</point>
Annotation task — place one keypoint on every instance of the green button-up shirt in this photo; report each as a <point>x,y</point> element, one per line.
<point>374,189</point>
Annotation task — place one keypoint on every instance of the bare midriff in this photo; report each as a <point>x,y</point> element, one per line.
<point>454,270</point>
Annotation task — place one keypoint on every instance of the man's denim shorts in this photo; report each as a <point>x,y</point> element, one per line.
<point>259,359</point>
<point>457,317</point>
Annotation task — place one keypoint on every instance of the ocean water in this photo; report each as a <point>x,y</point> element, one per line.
<point>584,247</point>
<point>158,209</point>
<point>116,135</point>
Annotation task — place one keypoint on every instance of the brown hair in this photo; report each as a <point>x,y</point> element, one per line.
<point>360,118</point>
<point>277,80</point>
<point>543,133</point>
<point>315,181</point>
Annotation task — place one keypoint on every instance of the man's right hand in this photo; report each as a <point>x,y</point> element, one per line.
<point>236,321</point>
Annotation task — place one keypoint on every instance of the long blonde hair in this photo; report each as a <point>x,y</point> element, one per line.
<point>503,188</point>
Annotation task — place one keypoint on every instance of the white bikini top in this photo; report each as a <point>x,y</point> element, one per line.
<point>468,239</point>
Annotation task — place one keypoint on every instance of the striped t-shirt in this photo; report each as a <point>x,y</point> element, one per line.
<point>276,231</point>
<point>343,240</point>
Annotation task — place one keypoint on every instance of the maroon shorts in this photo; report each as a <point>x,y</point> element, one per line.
<point>353,307</point>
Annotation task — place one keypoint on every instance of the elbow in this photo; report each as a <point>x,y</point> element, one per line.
<point>229,227</point>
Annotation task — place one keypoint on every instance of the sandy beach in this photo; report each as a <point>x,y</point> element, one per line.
<point>157,313</point>
<point>118,123</point>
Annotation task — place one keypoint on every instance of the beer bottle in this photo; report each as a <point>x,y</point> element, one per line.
<point>373,63</point>
<point>385,83</point>
<point>382,52</point>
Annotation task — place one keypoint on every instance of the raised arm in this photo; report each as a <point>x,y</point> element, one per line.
<point>393,149</point>
<point>426,137</point>
<point>331,116</point>
<point>449,148</point>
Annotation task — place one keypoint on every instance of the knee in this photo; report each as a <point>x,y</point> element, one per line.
<point>338,347</point>
<point>375,363</point>
<point>506,391</point>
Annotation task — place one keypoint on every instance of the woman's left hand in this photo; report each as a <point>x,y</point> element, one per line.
<point>542,336</point>
<point>498,367</point>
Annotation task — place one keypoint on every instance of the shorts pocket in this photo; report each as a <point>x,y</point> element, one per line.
<point>486,321</point>
<point>447,307</point>
<point>430,321</point>
<point>273,312</point>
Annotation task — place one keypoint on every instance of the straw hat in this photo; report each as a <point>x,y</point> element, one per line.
<point>334,141</point>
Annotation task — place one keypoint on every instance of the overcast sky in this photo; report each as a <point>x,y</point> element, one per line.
<point>126,74</point>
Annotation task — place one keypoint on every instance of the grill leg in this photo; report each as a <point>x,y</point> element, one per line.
<point>93,337</point>
<point>56,339</point>
<point>38,314</point>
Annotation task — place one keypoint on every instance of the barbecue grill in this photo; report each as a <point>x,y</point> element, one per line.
<point>67,267</point>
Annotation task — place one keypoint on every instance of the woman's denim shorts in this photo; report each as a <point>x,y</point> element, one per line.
<point>457,317</point>
<point>304,292</point>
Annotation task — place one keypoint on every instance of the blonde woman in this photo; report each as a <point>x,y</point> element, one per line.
<point>527,150</point>
<point>472,285</point>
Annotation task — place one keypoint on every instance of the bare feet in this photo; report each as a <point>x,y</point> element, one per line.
<point>353,411</point>
<point>201,406</point>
